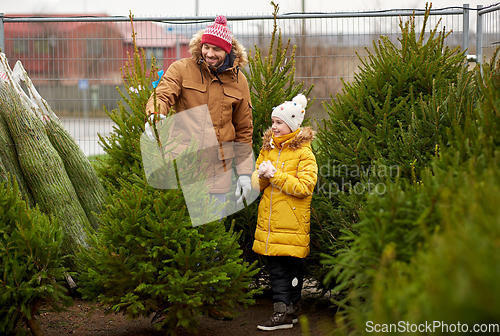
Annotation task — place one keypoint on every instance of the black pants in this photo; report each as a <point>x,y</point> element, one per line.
<point>283,271</point>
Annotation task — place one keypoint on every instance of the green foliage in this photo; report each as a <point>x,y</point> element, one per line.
<point>379,117</point>
<point>423,251</point>
<point>147,258</point>
<point>394,223</point>
<point>456,276</point>
<point>385,127</point>
<point>452,276</point>
<point>122,146</point>
<point>272,81</point>
<point>80,171</point>
<point>484,124</point>
<point>10,162</point>
<point>42,167</point>
<point>31,267</point>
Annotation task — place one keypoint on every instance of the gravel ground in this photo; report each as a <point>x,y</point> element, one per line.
<point>85,318</point>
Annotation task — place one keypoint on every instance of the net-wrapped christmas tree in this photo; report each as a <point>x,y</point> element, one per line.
<point>8,156</point>
<point>88,188</point>
<point>44,158</point>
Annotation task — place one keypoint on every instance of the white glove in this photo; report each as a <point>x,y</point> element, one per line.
<point>147,128</point>
<point>270,170</point>
<point>243,188</point>
<point>266,170</point>
<point>262,169</point>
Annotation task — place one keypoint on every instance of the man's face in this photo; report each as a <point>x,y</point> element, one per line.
<point>213,55</point>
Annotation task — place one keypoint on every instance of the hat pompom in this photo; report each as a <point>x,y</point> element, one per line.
<point>301,99</point>
<point>218,34</point>
<point>221,19</point>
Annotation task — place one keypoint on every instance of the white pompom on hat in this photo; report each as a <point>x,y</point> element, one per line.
<point>292,112</point>
<point>218,34</point>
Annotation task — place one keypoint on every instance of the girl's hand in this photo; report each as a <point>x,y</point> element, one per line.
<point>270,170</point>
<point>263,169</point>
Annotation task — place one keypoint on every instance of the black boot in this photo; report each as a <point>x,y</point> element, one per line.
<point>279,320</point>
<point>292,309</point>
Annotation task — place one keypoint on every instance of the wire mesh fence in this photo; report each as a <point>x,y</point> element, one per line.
<point>75,62</point>
<point>488,30</point>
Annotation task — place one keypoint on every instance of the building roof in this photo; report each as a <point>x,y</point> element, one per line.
<point>150,35</point>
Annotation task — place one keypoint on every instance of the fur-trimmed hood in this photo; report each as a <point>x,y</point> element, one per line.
<point>305,136</point>
<point>240,53</point>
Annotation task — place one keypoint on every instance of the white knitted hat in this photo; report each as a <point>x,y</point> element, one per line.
<point>292,112</point>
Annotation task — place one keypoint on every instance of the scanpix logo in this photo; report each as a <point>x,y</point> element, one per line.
<point>336,179</point>
<point>185,153</point>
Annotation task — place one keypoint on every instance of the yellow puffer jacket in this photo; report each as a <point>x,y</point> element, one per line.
<point>284,211</point>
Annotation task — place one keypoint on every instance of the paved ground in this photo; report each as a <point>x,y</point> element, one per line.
<point>85,131</point>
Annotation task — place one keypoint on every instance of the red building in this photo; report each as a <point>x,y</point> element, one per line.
<point>67,52</point>
<point>166,48</point>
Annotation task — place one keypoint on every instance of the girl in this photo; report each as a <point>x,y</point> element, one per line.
<point>286,172</point>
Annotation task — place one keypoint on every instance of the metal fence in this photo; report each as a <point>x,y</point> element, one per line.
<point>75,61</point>
<point>488,31</point>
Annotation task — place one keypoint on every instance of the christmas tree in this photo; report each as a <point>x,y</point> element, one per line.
<point>31,266</point>
<point>271,80</point>
<point>147,258</point>
<point>379,117</point>
<point>451,275</point>
<point>386,126</point>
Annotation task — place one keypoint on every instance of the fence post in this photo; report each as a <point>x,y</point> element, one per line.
<point>465,33</point>
<point>2,34</point>
<point>479,36</point>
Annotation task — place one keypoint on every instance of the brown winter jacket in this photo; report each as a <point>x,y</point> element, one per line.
<point>283,224</point>
<point>189,83</point>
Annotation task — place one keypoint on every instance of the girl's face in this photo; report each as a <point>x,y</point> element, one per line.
<point>279,127</point>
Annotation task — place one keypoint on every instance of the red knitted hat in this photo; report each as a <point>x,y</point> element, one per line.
<point>218,34</point>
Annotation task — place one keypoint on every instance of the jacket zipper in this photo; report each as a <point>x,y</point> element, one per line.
<point>271,206</point>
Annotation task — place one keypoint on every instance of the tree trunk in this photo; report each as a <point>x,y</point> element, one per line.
<point>34,327</point>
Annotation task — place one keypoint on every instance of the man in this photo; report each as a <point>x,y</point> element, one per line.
<point>212,77</point>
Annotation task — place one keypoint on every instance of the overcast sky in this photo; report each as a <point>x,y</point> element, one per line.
<point>214,7</point>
